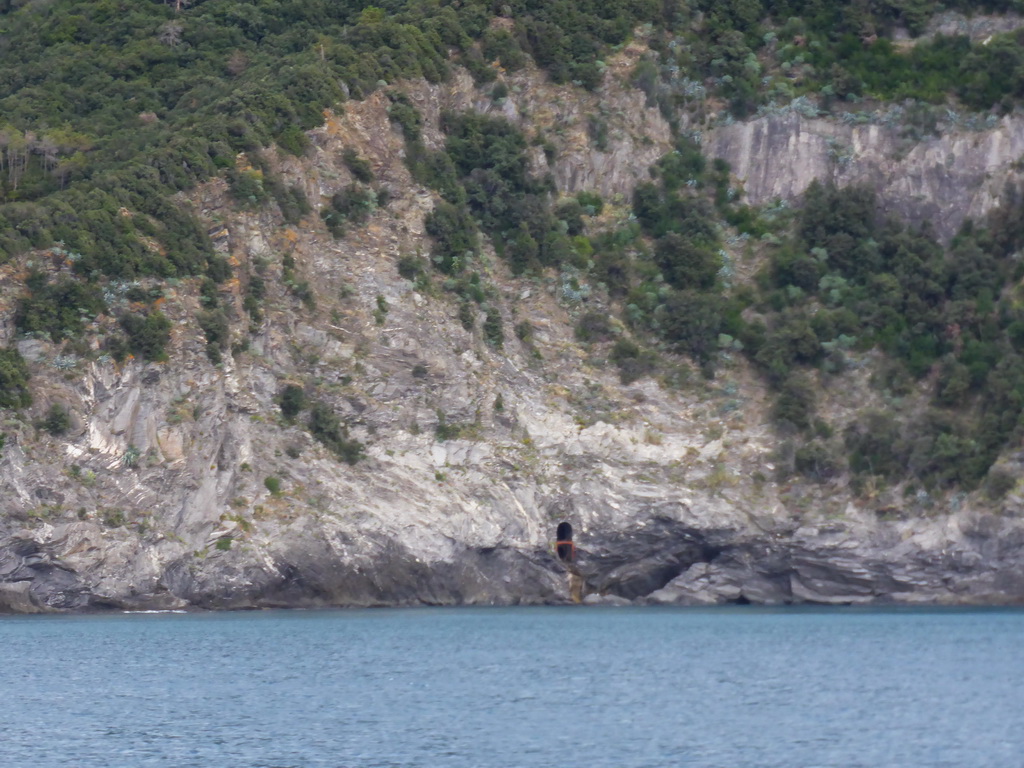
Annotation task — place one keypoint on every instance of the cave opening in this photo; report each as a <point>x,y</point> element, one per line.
<point>564,546</point>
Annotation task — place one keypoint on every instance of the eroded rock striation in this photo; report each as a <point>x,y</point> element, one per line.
<point>159,495</point>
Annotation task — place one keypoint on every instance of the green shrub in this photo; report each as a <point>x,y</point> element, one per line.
<point>327,428</point>
<point>247,187</point>
<point>489,154</point>
<point>254,293</point>
<point>351,205</point>
<point>293,140</point>
<point>645,76</point>
<point>499,45</point>
<point>494,330</point>
<point>446,430</point>
<point>594,326</point>
<point>791,341</point>
<point>524,331</point>
<point>571,212</point>
<point>358,166</point>
<point>522,251</point>
<point>147,334</point>
<point>841,222</point>
<point>273,485</point>
<point>130,457</point>
<point>998,483</point>
<point>292,400</point>
<point>591,202</point>
<point>454,235</point>
<point>953,384</point>
<point>291,200</point>
<point>685,263</point>
<point>794,404</point>
<point>874,445</point>
<point>816,462</point>
<point>467,315</point>
<point>114,518</point>
<point>499,91</point>
<point>690,322</point>
<point>633,362</point>
<point>410,267</point>
<point>57,309</point>
<point>404,113</point>
<point>214,324</point>
<point>435,169</point>
<point>14,376</point>
<point>57,420</point>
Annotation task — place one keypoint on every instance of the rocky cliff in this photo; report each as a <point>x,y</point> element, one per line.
<point>181,484</point>
<point>953,173</point>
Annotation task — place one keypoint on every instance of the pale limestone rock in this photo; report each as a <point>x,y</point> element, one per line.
<point>943,179</point>
<point>473,520</point>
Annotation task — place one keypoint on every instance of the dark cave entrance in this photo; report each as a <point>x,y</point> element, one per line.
<point>564,546</point>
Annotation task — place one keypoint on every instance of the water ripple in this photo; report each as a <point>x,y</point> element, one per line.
<point>515,688</point>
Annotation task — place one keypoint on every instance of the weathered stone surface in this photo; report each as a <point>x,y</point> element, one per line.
<point>161,501</point>
<point>16,597</point>
<point>942,179</point>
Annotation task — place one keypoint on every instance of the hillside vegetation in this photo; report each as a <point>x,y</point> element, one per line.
<point>115,107</point>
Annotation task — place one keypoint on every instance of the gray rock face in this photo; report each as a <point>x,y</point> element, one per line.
<point>16,597</point>
<point>858,566</point>
<point>158,497</point>
<point>942,179</point>
<point>978,27</point>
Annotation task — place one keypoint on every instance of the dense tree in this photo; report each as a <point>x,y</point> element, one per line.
<point>14,391</point>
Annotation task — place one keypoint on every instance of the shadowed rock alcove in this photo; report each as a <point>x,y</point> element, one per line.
<point>564,547</point>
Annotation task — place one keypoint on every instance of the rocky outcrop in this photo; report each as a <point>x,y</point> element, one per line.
<point>650,553</point>
<point>159,495</point>
<point>944,562</point>
<point>978,27</point>
<point>942,179</point>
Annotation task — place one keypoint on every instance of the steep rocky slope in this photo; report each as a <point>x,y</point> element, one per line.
<point>943,178</point>
<point>161,494</point>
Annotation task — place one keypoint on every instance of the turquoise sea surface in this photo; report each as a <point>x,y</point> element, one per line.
<point>516,687</point>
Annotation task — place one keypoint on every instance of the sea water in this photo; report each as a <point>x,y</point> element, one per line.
<point>516,687</point>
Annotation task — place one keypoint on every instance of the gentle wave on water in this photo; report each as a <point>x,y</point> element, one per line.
<point>430,688</point>
<point>166,610</point>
